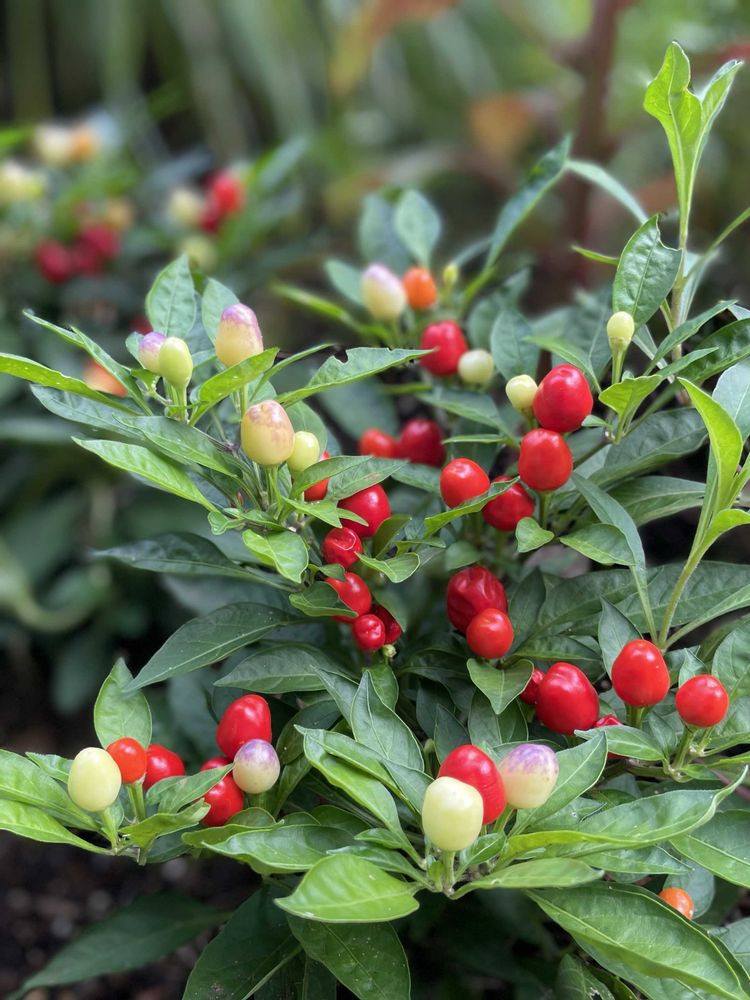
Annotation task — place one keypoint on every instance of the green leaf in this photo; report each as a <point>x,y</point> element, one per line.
<point>475,406</point>
<point>626,742</point>
<point>726,444</point>
<point>603,543</point>
<point>345,279</point>
<point>185,444</point>
<point>732,393</point>
<point>621,921</point>
<point>320,601</point>
<point>210,638</point>
<point>645,274</point>
<point>285,550</point>
<point>216,298</point>
<point>500,685</point>
<point>615,630</point>
<point>651,497</point>
<point>512,351</point>
<point>397,569</point>
<point>378,727</point>
<point>540,873</point>
<point>170,303</point>
<point>597,175</point>
<point>24,781</point>
<point>530,535</point>
<point>647,861</point>
<point>251,947</point>
<point>732,345</point>
<point>543,176</point>
<point>153,926</point>
<point>32,371</point>
<point>575,981</point>
<point>176,554</point>
<point>145,464</point>
<point>417,224</point>
<point>625,397</point>
<point>117,714</point>
<point>161,824</point>
<point>347,889</point>
<point>232,379</point>
<point>378,239</point>
<point>721,846</point>
<point>686,330</point>
<point>369,960</point>
<point>361,363</point>
<point>435,522</point>
<point>172,794</point>
<point>347,474</point>
<point>658,439</point>
<point>29,821</point>
<point>279,668</point>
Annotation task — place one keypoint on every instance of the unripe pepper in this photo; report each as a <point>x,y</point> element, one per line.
<point>149,347</point>
<point>247,718</point>
<point>563,399</point>
<point>639,674</point>
<point>476,367</point>
<point>471,765</point>
<point>267,434</point>
<point>545,462</point>
<point>382,292</point>
<point>256,767</point>
<point>238,336</point>
<point>679,900</point>
<point>94,780</point>
<point>521,390</point>
<point>529,774</point>
<point>702,701</point>
<point>447,343</point>
<point>470,591</point>
<point>175,362</point>
<point>566,700</point>
<point>452,814</point>
<point>306,452</point>
<point>620,330</point>
<point>505,511</point>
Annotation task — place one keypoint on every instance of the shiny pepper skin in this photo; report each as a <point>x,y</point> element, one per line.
<point>420,289</point>
<point>471,765</point>
<point>639,674</point>
<point>256,767</point>
<point>318,490</point>
<point>225,193</point>
<point>225,799</point>
<point>679,900</point>
<point>529,694</point>
<point>545,462</point>
<point>94,780</point>
<point>452,814</point>
<point>462,480</point>
<point>392,627</point>
<point>566,700</point>
<point>266,432</point>
<point>378,443</point>
<point>247,718</point>
<point>372,505</point>
<point>421,441</point>
<point>162,763</point>
<point>342,546</point>
<point>354,592</point>
<point>490,634</point>
<point>529,772</point>
<point>447,343</point>
<point>505,511</point>
<point>702,701</point>
<point>130,757</point>
<point>369,632</point>
<point>563,399</point>
<point>470,591</point>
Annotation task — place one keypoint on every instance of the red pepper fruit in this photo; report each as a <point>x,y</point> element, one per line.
<point>679,900</point>
<point>545,462</point>
<point>422,441</point>
<point>609,720</point>
<point>566,700</point>
<point>470,591</point>
<point>54,261</point>
<point>355,593</point>
<point>702,701</point>
<point>372,505</point>
<point>104,240</point>
<point>378,443</point>
<point>471,765</point>
<point>162,763</point>
<point>450,344</point>
<point>490,634</point>
<point>563,399</point>
<point>505,511</point>
<point>392,627</point>
<point>225,193</point>
<point>215,762</point>
<point>462,480</point>
<point>530,692</point>
<point>130,757</point>
<point>342,546</point>
<point>86,259</point>
<point>420,289</point>
<point>225,798</point>
<point>369,632</point>
<point>318,490</point>
<point>247,718</point>
<point>639,674</point>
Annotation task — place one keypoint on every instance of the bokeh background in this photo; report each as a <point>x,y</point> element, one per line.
<point>315,103</point>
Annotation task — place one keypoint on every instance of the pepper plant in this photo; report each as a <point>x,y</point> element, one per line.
<point>456,706</point>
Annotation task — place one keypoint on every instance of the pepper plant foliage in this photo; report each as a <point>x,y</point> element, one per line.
<point>338,841</point>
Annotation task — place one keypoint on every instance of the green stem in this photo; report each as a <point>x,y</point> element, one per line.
<point>448,876</point>
<point>109,828</point>
<point>544,502</point>
<point>682,752</point>
<point>635,716</point>
<point>687,571</point>
<point>137,801</point>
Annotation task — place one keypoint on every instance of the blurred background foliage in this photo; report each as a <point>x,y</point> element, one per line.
<point>318,102</point>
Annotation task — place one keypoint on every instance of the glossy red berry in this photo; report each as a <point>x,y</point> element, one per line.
<point>130,757</point>
<point>247,718</point>
<point>369,632</point>
<point>225,799</point>
<point>566,700</point>
<point>392,627</point>
<point>505,511</point>
<point>342,546</point>
<point>378,443</point>
<point>545,462</point>
<point>354,592</point>
<point>104,240</point>
<point>421,441</point>
<point>679,900</point>
<point>702,701</point>
<point>225,193</point>
<point>420,289</point>
<point>213,762</point>
<point>161,763</point>
<point>462,480</point>
<point>318,490</point>
<point>372,505</point>
<point>471,765</point>
<point>529,694</point>
<point>447,342</point>
<point>490,634</point>
<point>54,261</point>
<point>639,674</point>
<point>563,399</point>
<point>470,591</point>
